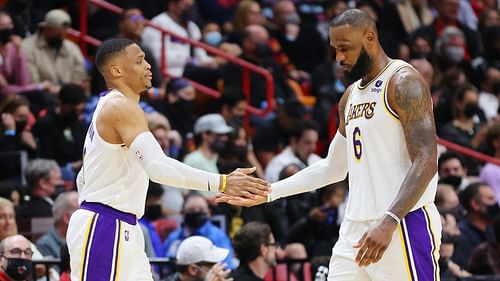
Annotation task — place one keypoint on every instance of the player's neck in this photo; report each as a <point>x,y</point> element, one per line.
<point>126,90</point>
<point>379,62</point>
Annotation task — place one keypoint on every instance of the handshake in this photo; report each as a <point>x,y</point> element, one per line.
<point>241,189</point>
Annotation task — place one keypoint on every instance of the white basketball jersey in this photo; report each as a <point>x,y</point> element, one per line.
<point>378,159</point>
<point>112,175</point>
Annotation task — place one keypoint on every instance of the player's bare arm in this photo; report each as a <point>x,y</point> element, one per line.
<point>326,171</point>
<point>410,98</point>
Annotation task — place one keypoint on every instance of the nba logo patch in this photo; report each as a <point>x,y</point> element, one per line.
<point>138,154</point>
<point>126,235</point>
<point>378,83</point>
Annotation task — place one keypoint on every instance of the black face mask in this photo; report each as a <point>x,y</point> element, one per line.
<point>455,181</point>
<point>188,15</point>
<point>20,125</point>
<point>236,122</point>
<point>55,42</point>
<point>218,146</point>
<point>470,110</point>
<point>184,106</point>
<point>491,211</point>
<point>195,220</point>
<point>360,68</point>
<point>5,35</point>
<point>153,212</point>
<point>18,269</point>
<point>263,50</point>
<point>69,117</point>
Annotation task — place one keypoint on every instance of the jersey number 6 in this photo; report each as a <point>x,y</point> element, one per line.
<point>356,141</point>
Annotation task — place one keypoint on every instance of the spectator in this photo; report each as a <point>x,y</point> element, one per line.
<point>199,259</point>
<point>448,269</point>
<point>447,200</point>
<point>490,89</point>
<point>490,173</point>
<point>425,68</point>
<point>233,106</point>
<point>152,212</point>
<point>452,170</point>
<point>197,222</point>
<point>255,247</point>
<point>271,135</point>
<point>14,75</point>
<point>211,135</point>
<point>15,258</point>
<point>53,58</point>
<point>211,34</point>
<point>414,14</point>
<point>247,13</point>
<point>485,259</point>
<point>43,176</point>
<point>303,140</point>
<point>12,191</point>
<point>50,244</point>
<point>479,201</point>
<point>8,225</point>
<point>15,135</point>
<point>492,46</point>
<point>488,18</point>
<point>61,132</point>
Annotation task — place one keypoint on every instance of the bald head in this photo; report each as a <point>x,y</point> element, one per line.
<point>356,19</point>
<point>14,241</point>
<point>258,33</point>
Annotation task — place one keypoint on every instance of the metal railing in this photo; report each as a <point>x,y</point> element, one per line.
<point>246,67</point>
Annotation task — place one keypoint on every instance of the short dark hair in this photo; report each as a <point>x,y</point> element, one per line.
<point>354,18</point>
<point>248,240</point>
<point>304,125</point>
<point>231,96</point>
<point>469,193</point>
<point>450,155</point>
<point>72,94</point>
<point>110,48</point>
<point>461,90</point>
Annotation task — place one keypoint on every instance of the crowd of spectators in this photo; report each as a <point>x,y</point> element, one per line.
<point>49,90</point>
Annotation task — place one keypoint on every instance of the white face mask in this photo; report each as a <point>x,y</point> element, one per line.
<point>455,54</point>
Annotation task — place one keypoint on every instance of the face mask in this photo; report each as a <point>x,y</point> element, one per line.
<point>69,117</point>
<point>470,110</point>
<point>213,38</point>
<point>5,35</point>
<point>240,151</point>
<point>55,42</point>
<point>18,269</point>
<point>153,212</point>
<point>218,146</point>
<point>455,54</point>
<point>491,211</point>
<point>20,125</point>
<point>455,181</point>
<point>262,50</point>
<point>236,122</point>
<point>184,106</point>
<point>188,15</point>
<point>195,220</point>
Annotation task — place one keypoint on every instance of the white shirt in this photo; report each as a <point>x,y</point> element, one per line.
<point>280,161</point>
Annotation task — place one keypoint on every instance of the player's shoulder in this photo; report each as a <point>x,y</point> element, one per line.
<point>120,106</point>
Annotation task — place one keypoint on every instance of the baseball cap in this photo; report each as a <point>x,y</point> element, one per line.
<point>212,123</point>
<point>56,18</point>
<point>197,249</point>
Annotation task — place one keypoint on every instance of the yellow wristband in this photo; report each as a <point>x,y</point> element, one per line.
<point>223,183</point>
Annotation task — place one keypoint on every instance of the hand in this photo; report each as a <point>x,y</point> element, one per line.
<point>374,242</point>
<point>46,85</point>
<point>17,41</point>
<point>8,121</point>
<point>218,273</point>
<point>241,184</point>
<point>28,139</point>
<point>240,201</point>
<point>317,215</point>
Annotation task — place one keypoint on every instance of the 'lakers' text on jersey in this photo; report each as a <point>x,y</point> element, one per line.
<point>377,155</point>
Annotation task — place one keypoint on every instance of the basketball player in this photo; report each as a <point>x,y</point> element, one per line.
<point>119,157</point>
<point>387,142</point>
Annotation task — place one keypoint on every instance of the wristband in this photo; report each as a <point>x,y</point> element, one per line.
<point>393,216</point>
<point>223,183</point>
<point>10,132</point>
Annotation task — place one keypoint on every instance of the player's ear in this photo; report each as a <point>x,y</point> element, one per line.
<point>370,38</point>
<point>115,71</point>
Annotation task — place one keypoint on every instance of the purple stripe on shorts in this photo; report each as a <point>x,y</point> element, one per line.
<point>422,245</point>
<point>100,260</point>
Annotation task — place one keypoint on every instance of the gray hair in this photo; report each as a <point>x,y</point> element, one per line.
<point>39,169</point>
<point>446,35</point>
<point>63,203</point>
<point>6,203</point>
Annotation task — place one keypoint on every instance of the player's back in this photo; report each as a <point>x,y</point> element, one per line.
<point>377,155</point>
<point>111,175</point>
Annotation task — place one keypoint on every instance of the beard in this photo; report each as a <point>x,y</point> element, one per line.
<point>360,68</point>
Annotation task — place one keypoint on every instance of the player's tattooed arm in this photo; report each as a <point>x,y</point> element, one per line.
<point>411,99</point>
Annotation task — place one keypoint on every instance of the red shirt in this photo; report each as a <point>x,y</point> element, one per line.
<point>4,276</point>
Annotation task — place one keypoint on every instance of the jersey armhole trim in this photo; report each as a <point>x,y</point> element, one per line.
<point>387,107</point>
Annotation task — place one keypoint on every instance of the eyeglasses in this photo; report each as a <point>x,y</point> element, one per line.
<point>17,253</point>
<point>136,18</point>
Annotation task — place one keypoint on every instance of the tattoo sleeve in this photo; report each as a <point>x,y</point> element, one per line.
<point>412,101</point>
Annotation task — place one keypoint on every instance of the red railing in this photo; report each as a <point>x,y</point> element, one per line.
<point>468,152</point>
<point>247,67</point>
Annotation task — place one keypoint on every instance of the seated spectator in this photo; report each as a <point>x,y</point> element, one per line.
<point>247,13</point>
<point>61,132</point>
<point>447,200</point>
<point>479,201</point>
<point>488,97</point>
<point>448,269</point>
<point>15,258</point>
<point>15,135</point>
<point>52,57</point>
<point>414,14</point>
<point>452,171</point>
<point>42,177</point>
<point>199,259</point>
<point>490,173</point>
<point>485,259</point>
<point>14,75</point>
<point>293,271</point>
<point>152,212</point>
<point>425,68</point>
<point>8,225</point>
<point>255,247</point>
<point>301,150</point>
<point>12,191</point>
<point>50,244</point>
<point>232,105</point>
<point>197,222</point>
